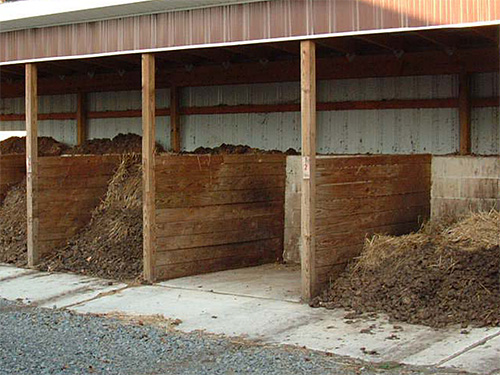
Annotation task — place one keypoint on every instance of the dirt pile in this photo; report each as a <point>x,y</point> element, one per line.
<point>439,276</point>
<point>47,146</point>
<point>121,144</point>
<point>226,149</point>
<point>13,226</point>
<point>110,246</point>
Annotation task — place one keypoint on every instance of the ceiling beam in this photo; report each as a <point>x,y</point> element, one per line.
<point>410,64</point>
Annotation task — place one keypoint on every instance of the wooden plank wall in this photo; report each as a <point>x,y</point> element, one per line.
<point>218,212</point>
<point>461,184</point>
<point>69,190</point>
<point>362,195</point>
<point>12,171</point>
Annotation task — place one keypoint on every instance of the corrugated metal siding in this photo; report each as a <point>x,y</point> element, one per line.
<point>62,130</point>
<point>122,101</point>
<point>384,131</point>
<point>236,23</point>
<point>486,121</point>
<point>363,131</point>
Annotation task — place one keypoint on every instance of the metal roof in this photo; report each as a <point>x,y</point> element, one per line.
<point>28,14</point>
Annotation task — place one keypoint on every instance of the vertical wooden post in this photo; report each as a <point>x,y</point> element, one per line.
<point>32,164</point>
<point>308,205</point>
<point>175,126</point>
<point>465,109</point>
<point>81,118</point>
<point>148,165</point>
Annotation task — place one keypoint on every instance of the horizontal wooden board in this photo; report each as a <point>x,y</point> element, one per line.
<point>327,163</point>
<point>217,212</point>
<point>337,208</point>
<point>258,257</point>
<point>373,172</point>
<point>231,211</point>
<point>218,238</point>
<point>70,188</point>
<point>193,185</point>
<point>215,198</point>
<point>201,226</point>
<point>168,171</point>
<point>172,257</point>
<point>368,220</point>
<point>393,186</point>
<point>206,159</point>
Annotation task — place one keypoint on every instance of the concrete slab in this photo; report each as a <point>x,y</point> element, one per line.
<point>10,272</point>
<point>272,281</point>
<point>483,359</point>
<point>210,312</point>
<point>378,340</point>
<point>55,290</point>
<point>266,318</point>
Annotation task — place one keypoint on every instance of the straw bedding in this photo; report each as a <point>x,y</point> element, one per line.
<point>439,276</point>
<point>110,246</point>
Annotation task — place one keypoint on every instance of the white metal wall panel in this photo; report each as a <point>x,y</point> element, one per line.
<point>108,128</point>
<point>270,131</point>
<point>418,87</point>
<point>486,121</point>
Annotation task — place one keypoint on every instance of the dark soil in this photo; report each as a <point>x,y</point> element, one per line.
<point>110,246</point>
<point>47,146</point>
<point>13,226</point>
<point>121,144</point>
<point>427,285</point>
<point>226,149</point>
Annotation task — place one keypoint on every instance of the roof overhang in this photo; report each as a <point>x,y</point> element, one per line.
<point>27,14</point>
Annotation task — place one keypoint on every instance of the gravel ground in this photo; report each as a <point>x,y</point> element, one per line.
<point>36,341</point>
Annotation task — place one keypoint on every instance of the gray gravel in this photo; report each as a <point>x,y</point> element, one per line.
<point>36,341</point>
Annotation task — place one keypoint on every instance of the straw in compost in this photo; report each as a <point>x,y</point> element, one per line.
<point>439,276</point>
<point>111,245</point>
<point>13,226</point>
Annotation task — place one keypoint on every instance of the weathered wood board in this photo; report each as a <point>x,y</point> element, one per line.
<point>357,196</point>
<point>12,172</point>
<point>69,189</point>
<point>217,212</point>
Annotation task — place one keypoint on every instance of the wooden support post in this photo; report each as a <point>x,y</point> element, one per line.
<point>465,109</point>
<point>81,118</point>
<point>175,126</point>
<point>148,165</point>
<point>308,205</point>
<point>32,164</point>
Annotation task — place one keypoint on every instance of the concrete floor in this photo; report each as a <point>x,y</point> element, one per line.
<point>260,304</point>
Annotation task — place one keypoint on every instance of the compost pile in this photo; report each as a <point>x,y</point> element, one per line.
<point>110,246</point>
<point>439,276</point>
<point>226,149</point>
<point>121,144</point>
<point>13,226</point>
<point>47,146</point>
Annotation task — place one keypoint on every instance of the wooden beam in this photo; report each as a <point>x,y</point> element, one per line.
<point>175,119</point>
<point>81,118</point>
<point>148,165</point>
<point>464,108</point>
<point>387,65</point>
<point>32,164</point>
<point>308,206</point>
<point>272,108</point>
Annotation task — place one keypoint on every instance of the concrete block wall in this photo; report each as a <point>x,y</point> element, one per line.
<point>464,183</point>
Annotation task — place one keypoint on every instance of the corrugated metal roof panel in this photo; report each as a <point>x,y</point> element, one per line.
<point>42,13</point>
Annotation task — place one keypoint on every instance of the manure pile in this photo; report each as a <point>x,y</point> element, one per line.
<point>47,146</point>
<point>110,246</point>
<point>13,227</point>
<point>120,144</point>
<point>439,276</point>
